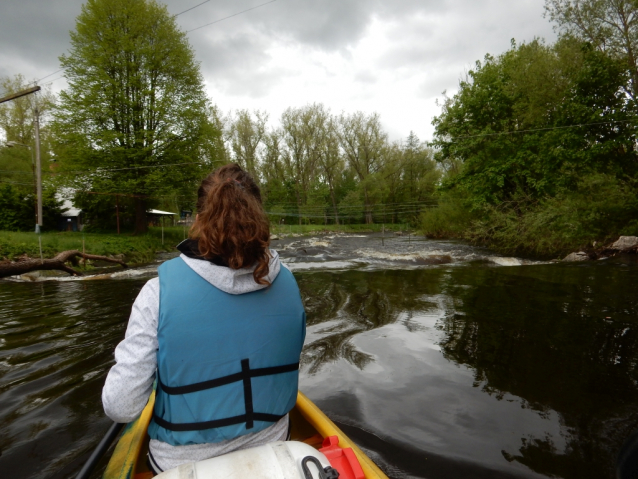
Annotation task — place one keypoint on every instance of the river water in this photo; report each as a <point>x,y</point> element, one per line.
<point>439,359</point>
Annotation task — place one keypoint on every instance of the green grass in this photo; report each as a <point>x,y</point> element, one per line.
<point>136,249</point>
<point>142,248</point>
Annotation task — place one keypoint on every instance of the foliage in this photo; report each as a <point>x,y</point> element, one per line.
<point>140,248</point>
<point>451,217</point>
<point>17,116</point>
<point>135,119</point>
<point>512,125</point>
<point>609,25</point>
<point>599,210</point>
<point>539,143</point>
<point>17,210</point>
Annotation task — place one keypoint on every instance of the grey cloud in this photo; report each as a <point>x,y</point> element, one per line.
<point>365,76</point>
<point>239,65</point>
<point>432,40</point>
<point>450,37</point>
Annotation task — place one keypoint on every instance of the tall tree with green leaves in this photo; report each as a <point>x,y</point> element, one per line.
<point>246,134</point>
<point>363,141</point>
<point>536,119</point>
<point>610,25</point>
<point>135,119</point>
<point>303,131</point>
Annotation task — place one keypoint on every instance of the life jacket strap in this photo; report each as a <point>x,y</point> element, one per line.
<point>229,421</point>
<point>245,376</point>
<point>231,378</point>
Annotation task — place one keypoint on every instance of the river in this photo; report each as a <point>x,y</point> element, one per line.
<point>439,359</point>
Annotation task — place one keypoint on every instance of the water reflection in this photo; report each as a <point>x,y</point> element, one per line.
<point>552,349</point>
<point>346,305</point>
<point>562,339</point>
<point>58,341</point>
<point>471,370</point>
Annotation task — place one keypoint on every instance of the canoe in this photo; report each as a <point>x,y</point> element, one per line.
<point>308,424</point>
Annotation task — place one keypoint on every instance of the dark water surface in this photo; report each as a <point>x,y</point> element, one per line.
<point>435,358</point>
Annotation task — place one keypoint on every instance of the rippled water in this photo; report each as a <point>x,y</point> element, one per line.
<point>441,360</point>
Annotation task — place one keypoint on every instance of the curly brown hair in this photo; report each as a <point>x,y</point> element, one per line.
<point>231,223</point>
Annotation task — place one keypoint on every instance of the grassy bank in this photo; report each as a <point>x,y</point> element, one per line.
<point>136,249</point>
<point>142,248</point>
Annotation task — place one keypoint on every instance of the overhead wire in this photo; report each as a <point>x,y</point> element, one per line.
<point>47,76</point>
<point>231,16</point>
<point>513,132</point>
<point>192,8</point>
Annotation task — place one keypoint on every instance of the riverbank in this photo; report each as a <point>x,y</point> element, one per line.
<point>143,248</point>
<point>136,249</point>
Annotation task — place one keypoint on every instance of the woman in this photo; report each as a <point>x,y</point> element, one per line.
<point>221,329</point>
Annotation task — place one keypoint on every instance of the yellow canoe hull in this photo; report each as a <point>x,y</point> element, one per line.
<point>309,424</point>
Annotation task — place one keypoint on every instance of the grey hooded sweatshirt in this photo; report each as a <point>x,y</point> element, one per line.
<point>130,381</point>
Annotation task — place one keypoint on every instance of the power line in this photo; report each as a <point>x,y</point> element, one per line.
<point>230,16</point>
<point>192,8</point>
<point>50,74</point>
<point>127,168</point>
<point>540,129</point>
<point>55,79</point>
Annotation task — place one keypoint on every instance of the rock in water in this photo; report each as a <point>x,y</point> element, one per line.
<point>625,242</point>
<point>580,256</point>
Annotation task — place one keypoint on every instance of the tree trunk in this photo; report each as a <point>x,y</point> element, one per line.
<point>367,208</point>
<point>12,268</point>
<point>141,225</point>
<point>334,205</point>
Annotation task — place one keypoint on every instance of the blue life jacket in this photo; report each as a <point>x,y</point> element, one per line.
<point>227,364</point>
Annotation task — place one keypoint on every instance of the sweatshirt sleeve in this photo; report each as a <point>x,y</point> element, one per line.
<point>130,381</point>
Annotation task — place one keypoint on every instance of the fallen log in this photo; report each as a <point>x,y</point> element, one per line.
<point>12,268</point>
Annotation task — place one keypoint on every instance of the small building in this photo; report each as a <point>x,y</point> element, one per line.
<point>71,219</point>
<point>185,217</point>
<point>159,218</point>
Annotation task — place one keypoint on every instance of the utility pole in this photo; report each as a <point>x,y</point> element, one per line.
<point>38,166</point>
<point>38,169</point>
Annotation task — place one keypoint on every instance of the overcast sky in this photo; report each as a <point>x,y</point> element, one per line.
<point>394,57</point>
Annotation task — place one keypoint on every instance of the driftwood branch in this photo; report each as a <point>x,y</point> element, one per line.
<point>12,268</point>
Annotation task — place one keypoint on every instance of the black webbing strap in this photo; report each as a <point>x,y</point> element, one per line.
<point>231,378</point>
<point>229,421</point>
<point>248,393</point>
<point>245,376</point>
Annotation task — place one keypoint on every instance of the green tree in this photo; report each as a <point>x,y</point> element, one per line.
<point>246,134</point>
<point>610,25</point>
<point>303,131</point>
<point>514,125</point>
<point>362,141</point>
<point>135,119</point>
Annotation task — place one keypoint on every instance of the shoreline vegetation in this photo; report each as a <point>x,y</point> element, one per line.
<point>138,249</point>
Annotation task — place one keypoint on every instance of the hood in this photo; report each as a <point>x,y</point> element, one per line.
<point>233,281</point>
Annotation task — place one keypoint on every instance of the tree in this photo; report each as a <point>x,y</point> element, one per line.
<point>362,140</point>
<point>246,135</point>
<point>134,119</point>
<point>610,25</point>
<point>514,124</point>
<point>331,162</point>
<point>303,130</point>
